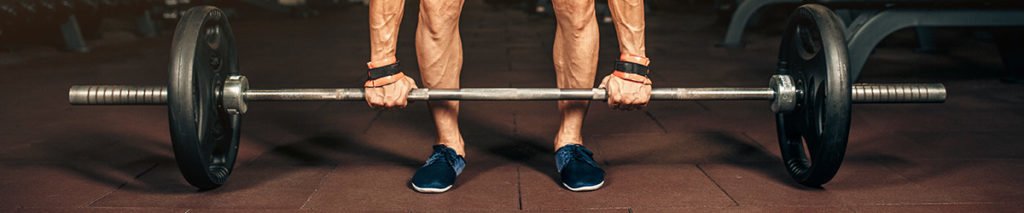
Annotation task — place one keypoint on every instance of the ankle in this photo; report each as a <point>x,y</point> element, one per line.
<point>454,144</point>
<point>562,141</point>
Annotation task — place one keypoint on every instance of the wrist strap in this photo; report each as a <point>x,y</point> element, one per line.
<point>632,68</point>
<point>384,71</point>
<point>632,77</point>
<point>384,81</point>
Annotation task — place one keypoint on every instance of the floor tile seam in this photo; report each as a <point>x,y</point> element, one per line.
<point>104,207</point>
<point>369,125</point>
<point>957,159</point>
<point>971,131</point>
<point>656,133</point>
<point>567,209</point>
<point>719,186</point>
<point>857,205</point>
<point>519,186</point>
<point>657,122</point>
<point>122,185</point>
<point>105,195</point>
<point>951,203</point>
<point>755,141</point>
<point>895,171</point>
<point>317,189</point>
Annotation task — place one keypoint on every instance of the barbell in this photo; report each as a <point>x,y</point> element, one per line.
<point>207,95</point>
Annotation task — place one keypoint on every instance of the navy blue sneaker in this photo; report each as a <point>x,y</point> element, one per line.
<point>438,174</point>
<point>579,172</point>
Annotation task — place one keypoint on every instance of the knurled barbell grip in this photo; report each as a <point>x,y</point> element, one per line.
<point>154,95</point>
<point>117,95</point>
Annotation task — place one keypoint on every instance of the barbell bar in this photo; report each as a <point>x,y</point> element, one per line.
<point>157,95</point>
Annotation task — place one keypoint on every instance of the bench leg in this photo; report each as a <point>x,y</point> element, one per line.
<point>926,40</point>
<point>72,34</point>
<point>147,27</point>
<point>744,11</point>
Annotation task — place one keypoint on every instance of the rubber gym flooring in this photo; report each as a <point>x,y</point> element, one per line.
<point>962,156</point>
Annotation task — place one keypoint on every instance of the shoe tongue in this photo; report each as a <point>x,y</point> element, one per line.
<point>585,150</point>
<point>564,155</point>
<point>448,156</point>
<point>439,148</point>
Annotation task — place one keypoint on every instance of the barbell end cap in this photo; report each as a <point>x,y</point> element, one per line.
<point>942,93</point>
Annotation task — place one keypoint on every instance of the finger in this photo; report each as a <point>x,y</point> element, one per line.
<point>403,100</point>
<point>635,99</point>
<point>389,96</point>
<point>604,82</point>
<point>389,99</point>
<point>412,83</point>
<point>617,98</point>
<point>626,103</point>
<point>647,95</point>
<point>373,97</point>
<point>615,91</point>
<point>411,86</point>
<point>631,105</point>
<point>393,96</point>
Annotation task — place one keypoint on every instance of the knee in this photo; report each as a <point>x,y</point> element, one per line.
<point>439,15</point>
<point>575,15</point>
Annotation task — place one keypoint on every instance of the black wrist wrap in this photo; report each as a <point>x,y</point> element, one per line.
<point>634,68</point>
<point>383,71</point>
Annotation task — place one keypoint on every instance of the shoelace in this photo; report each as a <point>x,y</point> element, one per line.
<point>448,156</point>
<point>576,152</point>
<point>580,153</point>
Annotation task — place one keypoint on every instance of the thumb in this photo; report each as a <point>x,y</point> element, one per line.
<point>604,82</point>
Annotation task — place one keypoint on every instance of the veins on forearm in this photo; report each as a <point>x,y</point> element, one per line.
<point>385,19</point>
<point>629,25</point>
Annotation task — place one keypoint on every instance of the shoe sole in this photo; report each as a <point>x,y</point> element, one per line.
<point>584,188</point>
<point>430,190</point>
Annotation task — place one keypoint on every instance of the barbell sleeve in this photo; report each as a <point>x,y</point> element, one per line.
<point>151,95</point>
<point>117,95</point>
<point>898,93</point>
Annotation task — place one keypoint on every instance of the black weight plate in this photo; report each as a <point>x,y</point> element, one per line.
<point>204,136</point>
<point>813,136</point>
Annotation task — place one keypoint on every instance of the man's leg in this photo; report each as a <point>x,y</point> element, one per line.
<point>439,51</point>
<point>575,57</point>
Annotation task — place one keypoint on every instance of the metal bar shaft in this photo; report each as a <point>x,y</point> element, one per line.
<point>510,94</point>
<point>151,95</point>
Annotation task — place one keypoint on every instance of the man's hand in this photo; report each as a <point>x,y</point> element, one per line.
<point>390,95</point>
<point>627,94</point>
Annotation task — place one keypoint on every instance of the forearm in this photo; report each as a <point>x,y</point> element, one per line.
<point>629,26</point>
<point>385,19</point>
